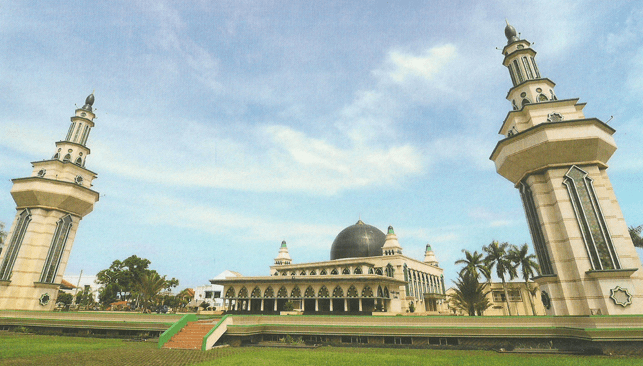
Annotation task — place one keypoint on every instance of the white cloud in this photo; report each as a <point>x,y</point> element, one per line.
<point>425,66</point>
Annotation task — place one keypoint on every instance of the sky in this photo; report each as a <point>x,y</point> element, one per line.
<point>225,127</point>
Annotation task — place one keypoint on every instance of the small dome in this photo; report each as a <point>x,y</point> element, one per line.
<point>510,33</point>
<point>359,240</point>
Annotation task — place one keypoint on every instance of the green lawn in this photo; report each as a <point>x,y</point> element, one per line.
<point>25,349</point>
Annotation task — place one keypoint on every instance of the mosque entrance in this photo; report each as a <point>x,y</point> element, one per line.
<point>368,305</point>
<point>324,305</point>
<point>309,305</point>
<point>353,305</point>
<point>268,305</point>
<point>255,305</point>
<point>338,305</point>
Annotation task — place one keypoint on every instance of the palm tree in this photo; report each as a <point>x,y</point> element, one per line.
<point>497,256</point>
<point>635,234</point>
<point>470,295</point>
<point>473,264</point>
<point>528,268</point>
<point>149,286</point>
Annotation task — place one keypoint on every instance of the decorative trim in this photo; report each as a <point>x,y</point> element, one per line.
<point>612,273</point>
<point>44,299</point>
<point>617,293</point>
<point>537,236</point>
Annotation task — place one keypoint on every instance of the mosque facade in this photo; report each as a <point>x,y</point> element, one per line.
<point>367,273</point>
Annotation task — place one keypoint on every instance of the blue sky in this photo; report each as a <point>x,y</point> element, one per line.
<point>226,127</point>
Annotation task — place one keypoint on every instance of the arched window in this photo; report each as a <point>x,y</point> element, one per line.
<point>352,292</point>
<point>346,271</point>
<point>358,270</point>
<point>295,292</point>
<point>386,294</point>
<point>71,129</point>
<point>276,273</point>
<point>230,293</point>
<point>56,156</point>
<point>256,293</point>
<point>56,249</point>
<point>535,67</point>
<point>525,102</point>
<point>313,272</point>
<point>370,270</point>
<point>323,272</point>
<point>269,292</point>
<point>14,245</point>
<point>323,292</point>
<point>511,73</point>
<point>79,162</point>
<point>542,98</point>
<point>338,292</point>
<point>67,157</point>
<point>284,273</point>
<point>553,96</point>
<point>389,270</point>
<point>378,271</point>
<point>243,293</point>
<point>367,292</point>
<point>513,104</point>
<point>334,271</point>
<point>380,293</point>
<point>309,292</point>
<point>282,292</point>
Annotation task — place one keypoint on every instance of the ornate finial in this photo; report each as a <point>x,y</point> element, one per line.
<point>283,244</point>
<point>510,33</point>
<point>360,222</point>
<point>428,247</point>
<point>390,230</point>
<point>89,101</point>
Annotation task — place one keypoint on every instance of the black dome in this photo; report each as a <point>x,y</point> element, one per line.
<point>359,240</point>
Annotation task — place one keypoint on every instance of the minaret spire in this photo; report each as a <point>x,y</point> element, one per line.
<point>283,258</point>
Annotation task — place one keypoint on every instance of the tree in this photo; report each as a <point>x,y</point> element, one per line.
<point>149,287</point>
<point>528,268</point>
<point>474,264</point>
<point>85,297</point>
<point>470,295</point>
<point>498,257</point>
<point>635,234</point>
<point>64,298</point>
<point>123,275</point>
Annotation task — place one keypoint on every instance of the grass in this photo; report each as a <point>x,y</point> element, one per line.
<point>26,349</point>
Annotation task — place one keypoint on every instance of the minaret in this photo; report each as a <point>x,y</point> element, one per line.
<point>283,257</point>
<point>429,256</point>
<point>391,245</point>
<point>50,204</point>
<point>557,158</point>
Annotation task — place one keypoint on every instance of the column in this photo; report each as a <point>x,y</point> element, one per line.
<point>360,304</point>
<point>345,304</point>
<point>275,304</point>
<point>316,304</point>
<point>262,305</point>
<point>331,304</point>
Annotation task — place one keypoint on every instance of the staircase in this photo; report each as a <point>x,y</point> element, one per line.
<point>191,336</point>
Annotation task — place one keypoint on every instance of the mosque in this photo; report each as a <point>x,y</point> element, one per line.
<point>367,273</point>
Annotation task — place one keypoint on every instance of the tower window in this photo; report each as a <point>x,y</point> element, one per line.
<point>591,221</point>
<point>56,156</point>
<point>14,245</point>
<point>525,63</point>
<point>542,98</point>
<point>511,73</point>
<point>58,242</point>
<point>533,62</point>
<point>85,135</point>
<point>67,157</point>
<point>80,127</point>
<point>79,162</point>
<point>518,73</point>
<point>525,102</point>
<point>71,130</point>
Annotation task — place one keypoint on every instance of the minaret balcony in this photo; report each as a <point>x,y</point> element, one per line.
<point>580,142</point>
<point>37,192</point>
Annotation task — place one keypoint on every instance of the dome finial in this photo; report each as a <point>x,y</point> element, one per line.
<point>89,101</point>
<point>510,33</point>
